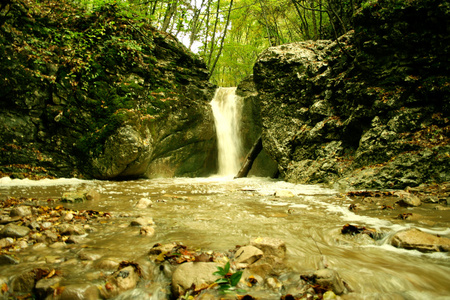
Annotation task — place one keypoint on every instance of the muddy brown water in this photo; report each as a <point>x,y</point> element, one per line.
<point>219,213</point>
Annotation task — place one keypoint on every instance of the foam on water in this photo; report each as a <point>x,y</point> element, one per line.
<point>6,181</point>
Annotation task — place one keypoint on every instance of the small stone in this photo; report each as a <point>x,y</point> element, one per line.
<point>274,283</point>
<point>107,264</point>
<point>419,240</point>
<point>329,295</point>
<point>71,229</point>
<point>90,256</point>
<point>284,193</point>
<point>6,242</point>
<point>20,211</point>
<point>8,260</point>
<point>92,195</point>
<point>46,286</point>
<point>192,274</point>
<point>73,197</point>
<point>120,281</point>
<point>144,203</point>
<point>84,291</point>
<point>66,217</point>
<point>14,231</point>
<point>248,255</point>
<point>270,246</point>
<point>147,231</point>
<point>75,239</point>
<point>408,199</point>
<point>24,283</point>
<point>329,278</point>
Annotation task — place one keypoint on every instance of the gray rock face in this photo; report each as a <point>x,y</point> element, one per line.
<point>325,120</point>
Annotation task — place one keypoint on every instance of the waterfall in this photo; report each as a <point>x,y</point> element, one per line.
<point>227,114</point>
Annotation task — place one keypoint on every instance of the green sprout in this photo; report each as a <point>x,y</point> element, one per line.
<point>228,280</point>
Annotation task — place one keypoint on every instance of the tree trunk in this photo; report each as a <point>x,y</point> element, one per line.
<point>250,158</point>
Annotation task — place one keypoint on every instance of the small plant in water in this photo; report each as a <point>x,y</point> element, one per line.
<point>228,280</point>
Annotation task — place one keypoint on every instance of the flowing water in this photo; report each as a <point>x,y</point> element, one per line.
<point>219,213</point>
<point>226,110</point>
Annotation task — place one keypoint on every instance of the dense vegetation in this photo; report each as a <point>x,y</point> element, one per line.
<point>229,34</point>
<point>69,77</point>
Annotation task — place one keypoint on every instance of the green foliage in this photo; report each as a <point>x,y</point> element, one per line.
<point>228,281</point>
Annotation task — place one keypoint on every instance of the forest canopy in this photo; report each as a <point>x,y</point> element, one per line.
<point>229,34</point>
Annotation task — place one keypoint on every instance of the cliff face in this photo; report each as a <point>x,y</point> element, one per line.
<point>99,95</point>
<point>370,110</point>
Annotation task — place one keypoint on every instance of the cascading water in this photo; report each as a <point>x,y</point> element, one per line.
<point>227,114</point>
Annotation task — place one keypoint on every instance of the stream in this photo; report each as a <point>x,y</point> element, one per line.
<point>218,213</point>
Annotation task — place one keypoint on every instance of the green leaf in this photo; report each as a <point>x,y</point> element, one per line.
<point>227,267</point>
<point>221,280</point>
<point>234,279</point>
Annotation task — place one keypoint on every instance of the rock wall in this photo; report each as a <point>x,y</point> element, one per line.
<point>370,110</point>
<point>99,96</point>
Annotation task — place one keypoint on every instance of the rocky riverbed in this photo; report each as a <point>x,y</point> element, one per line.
<point>51,247</point>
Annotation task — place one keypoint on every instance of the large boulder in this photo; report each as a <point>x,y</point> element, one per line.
<point>130,109</point>
<point>361,110</point>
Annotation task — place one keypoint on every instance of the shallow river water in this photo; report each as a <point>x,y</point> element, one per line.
<point>219,213</point>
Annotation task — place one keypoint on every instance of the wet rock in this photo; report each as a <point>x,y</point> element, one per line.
<point>75,239</point>
<point>46,286</point>
<point>270,246</point>
<point>73,197</point>
<point>147,231</point>
<point>6,242</point>
<point>192,274</point>
<point>89,255</point>
<point>142,221</point>
<point>419,240</point>
<point>430,199</point>
<point>162,248</point>
<point>20,211</point>
<point>144,203</point>
<point>120,281</point>
<point>440,207</point>
<point>71,229</point>
<point>409,216</point>
<point>24,283</point>
<point>260,269</point>
<point>408,199</point>
<point>14,231</point>
<point>58,245</point>
<point>92,195</point>
<point>85,291</point>
<point>329,295</point>
<point>330,279</point>
<point>66,216</point>
<point>274,284</point>
<point>107,264</point>
<point>284,193</point>
<point>247,255</point>
<point>8,260</point>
